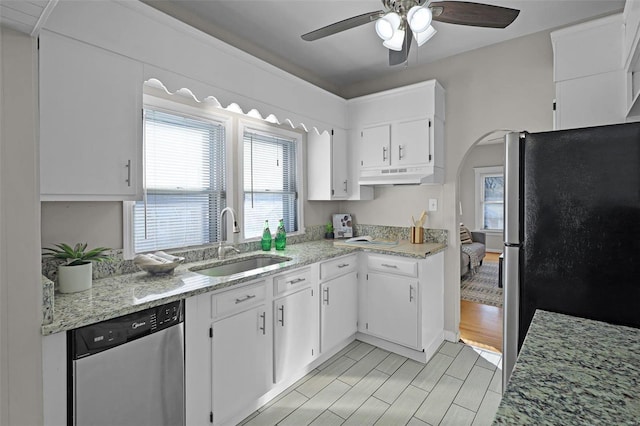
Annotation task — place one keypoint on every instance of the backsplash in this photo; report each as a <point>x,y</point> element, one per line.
<point>119,266</point>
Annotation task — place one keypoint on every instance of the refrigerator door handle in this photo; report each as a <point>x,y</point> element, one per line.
<point>511,321</point>
<point>512,188</point>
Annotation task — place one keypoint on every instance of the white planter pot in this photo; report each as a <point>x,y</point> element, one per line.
<point>76,278</point>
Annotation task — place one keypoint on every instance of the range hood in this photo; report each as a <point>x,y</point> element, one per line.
<point>388,175</point>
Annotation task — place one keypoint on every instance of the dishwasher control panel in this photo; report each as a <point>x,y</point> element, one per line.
<point>98,337</point>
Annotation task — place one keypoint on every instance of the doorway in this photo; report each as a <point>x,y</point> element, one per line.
<point>481,201</point>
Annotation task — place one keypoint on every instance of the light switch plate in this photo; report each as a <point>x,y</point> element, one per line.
<point>433,204</point>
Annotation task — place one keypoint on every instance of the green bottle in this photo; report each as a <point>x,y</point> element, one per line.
<point>266,237</point>
<point>281,236</point>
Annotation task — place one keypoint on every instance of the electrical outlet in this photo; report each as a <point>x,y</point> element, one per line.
<point>433,204</point>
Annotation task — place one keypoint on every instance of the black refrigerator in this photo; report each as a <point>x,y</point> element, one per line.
<point>572,228</point>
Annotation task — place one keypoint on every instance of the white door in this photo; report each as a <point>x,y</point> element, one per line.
<point>241,361</point>
<point>392,308</point>
<point>296,332</point>
<point>375,146</point>
<point>338,310</point>
<point>411,144</point>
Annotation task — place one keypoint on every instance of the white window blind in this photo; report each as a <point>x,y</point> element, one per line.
<point>184,182</point>
<point>490,198</point>
<point>270,183</point>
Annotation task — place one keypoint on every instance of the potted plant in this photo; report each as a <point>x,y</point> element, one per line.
<point>328,231</point>
<point>76,274</point>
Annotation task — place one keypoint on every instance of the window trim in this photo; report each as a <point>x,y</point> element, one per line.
<point>271,130</point>
<point>480,174</point>
<point>179,107</point>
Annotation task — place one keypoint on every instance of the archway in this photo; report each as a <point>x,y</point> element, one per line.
<point>479,205</point>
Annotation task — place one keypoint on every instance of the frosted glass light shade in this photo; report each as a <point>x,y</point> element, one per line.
<point>419,18</point>
<point>395,42</point>
<point>387,25</point>
<point>425,36</point>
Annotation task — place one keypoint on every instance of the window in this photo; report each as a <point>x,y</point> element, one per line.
<point>490,198</point>
<point>270,181</point>
<point>185,185</point>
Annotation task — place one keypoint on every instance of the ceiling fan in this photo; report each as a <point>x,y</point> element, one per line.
<point>403,18</point>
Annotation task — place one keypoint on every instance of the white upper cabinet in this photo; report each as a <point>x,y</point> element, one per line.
<point>90,122</point>
<point>327,165</point>
<point>399,135</point>
<point>589,74</point>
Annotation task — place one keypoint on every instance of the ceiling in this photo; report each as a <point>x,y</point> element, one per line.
<point>271,30</point>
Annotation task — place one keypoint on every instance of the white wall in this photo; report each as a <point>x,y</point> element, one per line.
<point>504,86</point>
<point>20,279</point>
<point>479,156</point>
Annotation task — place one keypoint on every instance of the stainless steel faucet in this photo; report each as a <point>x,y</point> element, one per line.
<point>222,249</point>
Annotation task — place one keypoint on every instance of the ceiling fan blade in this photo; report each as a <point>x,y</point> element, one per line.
<point>474,14</point>
<point>397,57</point>
<point>347,24</point>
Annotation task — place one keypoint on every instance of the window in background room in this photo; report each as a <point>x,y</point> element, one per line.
<point>185,185</point>
<point>489,198</point>
<point>270,181</point>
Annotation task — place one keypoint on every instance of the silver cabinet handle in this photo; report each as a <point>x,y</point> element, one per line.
<point>399,152</point>
<point>386,265</point>
<point>345,187</point>
<point>344,265</point>
<point>281,320</point>
<point>128,166</point>
<point>326,294</point>
<point>263,316</point>
<point>296,281</point>
<point>410,293</point>
<point>244,299</point>
<point>384,153</point>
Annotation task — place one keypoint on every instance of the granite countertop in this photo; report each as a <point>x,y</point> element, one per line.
<point>574,371</point>
<point>401,248</point>
<point>123,294</point>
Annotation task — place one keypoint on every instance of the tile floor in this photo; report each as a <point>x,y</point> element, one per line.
<point>365,385</point>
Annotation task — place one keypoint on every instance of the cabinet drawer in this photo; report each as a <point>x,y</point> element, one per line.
<point>392,265</point>
<point>292,281</point>
<point>337,267</point>
<point>236,300</point>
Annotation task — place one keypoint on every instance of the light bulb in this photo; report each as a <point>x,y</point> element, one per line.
<point>424,36</point>
<point>419,18</point>
<point>387,25</point>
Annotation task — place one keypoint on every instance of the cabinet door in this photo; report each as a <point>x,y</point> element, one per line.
<point>339,166</point>
<point>90,122</point>
<point>296,332</point>
<point>375,143</point>
<point>241,361</point>
<point>392,308</point>
<point>338,310</point>
<point>411,143</point>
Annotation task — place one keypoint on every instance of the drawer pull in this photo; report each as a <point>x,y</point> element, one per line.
<point>263,316</point>
<point>386,265</point>
<point>244,299</point>
<point>344,265</point>
<point>297,280</point>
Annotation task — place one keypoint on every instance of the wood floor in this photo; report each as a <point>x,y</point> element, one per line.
<point>481,325</point>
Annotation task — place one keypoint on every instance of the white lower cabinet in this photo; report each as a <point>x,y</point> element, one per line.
<point>338,310</point>
<point>295,332</point>
<point>241,361</point>
<point>392,304</point>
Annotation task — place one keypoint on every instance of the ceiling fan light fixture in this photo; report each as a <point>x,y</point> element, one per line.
<point>419,18</point>
<point>424,36</point>
<point>387,26</point>
<point>395,42</point>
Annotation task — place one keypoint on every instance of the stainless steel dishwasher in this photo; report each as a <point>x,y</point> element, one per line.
<point>129,370</point>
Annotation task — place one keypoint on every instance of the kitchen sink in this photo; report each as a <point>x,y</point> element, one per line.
<point>238,266</point>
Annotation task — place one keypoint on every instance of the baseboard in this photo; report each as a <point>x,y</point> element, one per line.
<point>413,354</point>
<point>452,336</point>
